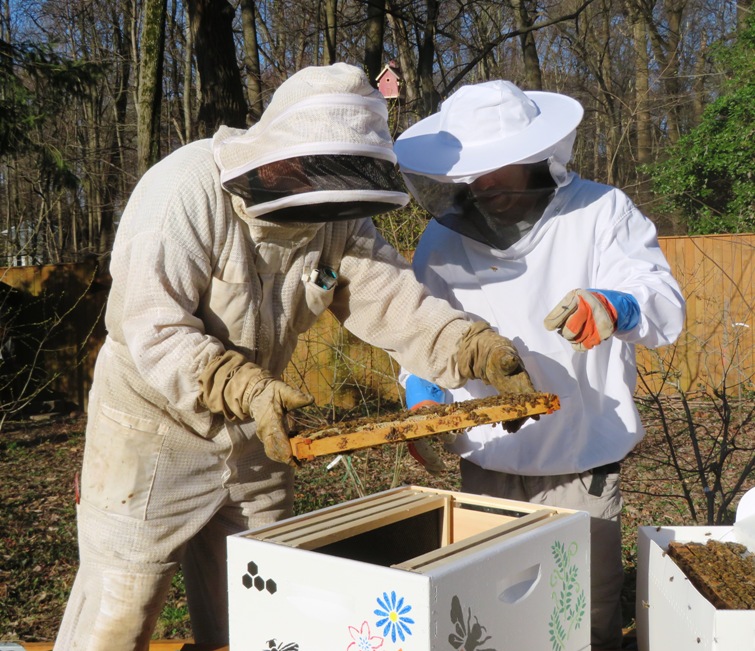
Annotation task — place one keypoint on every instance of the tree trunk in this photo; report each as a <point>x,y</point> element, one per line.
<point>330,31</point>
<point>642,89</point>
<point>532,73</point>
<point>373,50</point>
<point>593,46</point>
<point>222,100</point>
<point>252,59</point>
<point>149,96</point>
<point>698,95</point>
<point>406,63</point>
<point>675,11</point>
<point>666,44</point>
<point>5,24</point>
<point>430,97</point>
<point>188,55</point>
<point>122,40</point>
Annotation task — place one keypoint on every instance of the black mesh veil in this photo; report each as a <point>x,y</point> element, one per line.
<point>357,186</point>
<point>497,217</point>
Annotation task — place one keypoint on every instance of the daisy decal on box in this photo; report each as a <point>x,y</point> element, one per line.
<point>392,616</point>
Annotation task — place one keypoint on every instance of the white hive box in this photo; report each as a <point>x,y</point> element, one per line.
<point>414,569</point>
<point>671,612</point>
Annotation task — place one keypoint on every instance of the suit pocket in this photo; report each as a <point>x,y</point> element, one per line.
<point>225,308</point>
<point>120,461</point>
<point>316,300</point>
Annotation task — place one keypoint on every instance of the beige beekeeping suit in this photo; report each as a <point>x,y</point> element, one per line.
<point>198,272</point>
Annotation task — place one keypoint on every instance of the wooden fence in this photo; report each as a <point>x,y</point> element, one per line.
<point>51,325</point>
<point>715,273</point>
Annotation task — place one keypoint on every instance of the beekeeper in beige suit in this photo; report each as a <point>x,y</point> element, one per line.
<point>228,250</point>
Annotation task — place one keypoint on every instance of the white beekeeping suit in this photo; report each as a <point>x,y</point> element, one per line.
<point>581,235</point>
<point>571,271</point>
<point>229,249</point>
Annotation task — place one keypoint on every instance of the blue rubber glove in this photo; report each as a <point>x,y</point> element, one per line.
<point>420,391</point>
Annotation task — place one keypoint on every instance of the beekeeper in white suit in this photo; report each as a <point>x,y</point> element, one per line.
<point>229,249</point>
<point>572,272</point>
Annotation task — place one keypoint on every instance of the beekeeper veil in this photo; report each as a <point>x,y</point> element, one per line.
<point>479,130</point>
<point>321,151</point>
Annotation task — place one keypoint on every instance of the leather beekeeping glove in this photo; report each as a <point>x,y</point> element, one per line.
<point>485,355</point>
<point>586,317</point>
<point>239,389</point>
<point>426,455</point>
<point>421,393</point>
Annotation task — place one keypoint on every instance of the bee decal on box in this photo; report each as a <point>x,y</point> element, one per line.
<point>272,645</point>
<point>468,635</point>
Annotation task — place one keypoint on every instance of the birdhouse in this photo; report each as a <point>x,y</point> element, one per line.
<point>389,81</point>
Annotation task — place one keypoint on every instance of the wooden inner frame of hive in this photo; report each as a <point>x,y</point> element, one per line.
<point>723,572</point>
<point>411,528</point>
<point>361,433</point>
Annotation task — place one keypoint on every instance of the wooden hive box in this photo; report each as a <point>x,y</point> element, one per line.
<point>414,569</point>
<point>671,612</point>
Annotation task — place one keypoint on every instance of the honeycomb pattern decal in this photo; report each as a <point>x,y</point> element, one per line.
<point>252,579</point>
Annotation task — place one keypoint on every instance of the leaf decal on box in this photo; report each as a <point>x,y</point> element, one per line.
<point>570,603</point>
<point>467,635</point>
<point>393,616</point>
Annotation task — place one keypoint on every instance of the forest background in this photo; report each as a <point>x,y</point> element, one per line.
<point>93,92</point>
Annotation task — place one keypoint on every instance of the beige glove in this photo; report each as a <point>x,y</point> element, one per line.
<point>485,355</point>
<point>583,318</point>
<point>238,389</point>
<point>423,450</point>
<point>426,455</point>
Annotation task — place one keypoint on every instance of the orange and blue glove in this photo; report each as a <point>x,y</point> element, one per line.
<point>586,317</point>
<point>421,393</point>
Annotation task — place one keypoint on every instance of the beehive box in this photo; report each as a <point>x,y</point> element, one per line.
<point>414,569</point>
<point>671,611</point>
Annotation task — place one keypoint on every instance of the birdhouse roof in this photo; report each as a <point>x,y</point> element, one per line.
<point>389,68</point>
